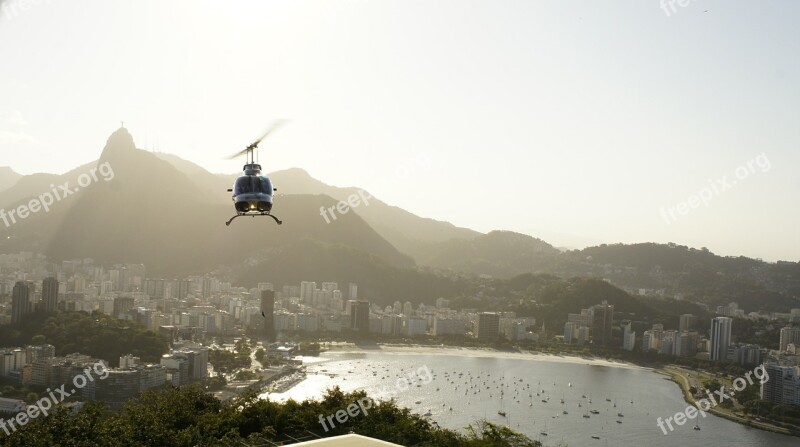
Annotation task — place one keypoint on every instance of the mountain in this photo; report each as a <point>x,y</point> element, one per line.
<point>152,213</point>
<point>7,178</point>
<point>169,214</point>
<point>499,253</point>
<point>696,275</point>
<point>408,232</point>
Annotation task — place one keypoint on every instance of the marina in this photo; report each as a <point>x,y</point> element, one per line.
<point>465,387</point>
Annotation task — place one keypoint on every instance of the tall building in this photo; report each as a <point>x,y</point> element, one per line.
<point>352,293</point>
<point>22,300</point>
<point>783,386</point>
<point>307,291</point>
<point>267,312</point>
<point>601,317</point>
<point>122,304</point>
<point>488,326</point>
<point>720,338</point>
<point>789,335</point>
<point>359,316</point>
<point>686,344</point>
<point>569,331</point>
<point>50,295</point>
<point>628,338</point>
<point>179,289</point>
<point>155,288</point>
<point>686,322</point>
<point>448,326</point>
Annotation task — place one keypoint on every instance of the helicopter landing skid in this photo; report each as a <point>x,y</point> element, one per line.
<point>278,221</point>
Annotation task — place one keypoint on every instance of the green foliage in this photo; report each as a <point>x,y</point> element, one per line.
<point>97,335</point>
<point>228,362</point>
<point>188,417</point>
<point>214,383</point>
<point>246,374</point>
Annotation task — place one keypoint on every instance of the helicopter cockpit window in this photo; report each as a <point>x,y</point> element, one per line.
<point>253,185</point>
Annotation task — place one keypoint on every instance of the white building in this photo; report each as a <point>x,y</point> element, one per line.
<point>720,338</point>
<point>416,326</point>
<point>628,338</point>
<point>448,326</point>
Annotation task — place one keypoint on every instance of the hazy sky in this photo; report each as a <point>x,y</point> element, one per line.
<point>580,122</point>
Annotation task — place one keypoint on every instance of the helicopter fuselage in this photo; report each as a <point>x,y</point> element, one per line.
<point>253,192</point>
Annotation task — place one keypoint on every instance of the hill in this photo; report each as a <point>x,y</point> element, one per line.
<point>696,275</point>
<point>151,213</point>
<point>7,178</point>
<point>500,253</point>
<point>408,232</point>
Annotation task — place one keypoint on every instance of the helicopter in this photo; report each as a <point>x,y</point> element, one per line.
<point>252,192</point>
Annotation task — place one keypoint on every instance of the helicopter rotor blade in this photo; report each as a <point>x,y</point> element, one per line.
<point>275,126</point>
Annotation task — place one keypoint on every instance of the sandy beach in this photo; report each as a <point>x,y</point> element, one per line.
<point>347,348</point>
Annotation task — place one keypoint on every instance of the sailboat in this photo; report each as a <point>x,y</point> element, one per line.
<point>500,411</point>
<point>697,425</point>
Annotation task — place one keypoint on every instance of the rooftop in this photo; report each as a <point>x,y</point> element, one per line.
<point>347,441</point>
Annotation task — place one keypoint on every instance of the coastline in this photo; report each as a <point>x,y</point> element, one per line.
<point>675,373</point>
<point>678,375</point>
<point>351,348</point>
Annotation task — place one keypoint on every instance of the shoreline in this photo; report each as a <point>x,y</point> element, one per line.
<point>351,348</point>
<point>677,376</point>
<point>674,373</point>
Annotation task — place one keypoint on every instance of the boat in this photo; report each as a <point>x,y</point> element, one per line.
<point>586,415</point>
<point>418,402</point>
<point>594,412</point>
<point>620,415</point>
<point>428,413</point>
<point>618,421</point>
<point>595,437</point>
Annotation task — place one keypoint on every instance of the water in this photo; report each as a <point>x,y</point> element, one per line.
<point>653,396</point>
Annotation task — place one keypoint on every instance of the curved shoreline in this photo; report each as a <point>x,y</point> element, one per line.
<point>675,375</point>
<point>350,348</point>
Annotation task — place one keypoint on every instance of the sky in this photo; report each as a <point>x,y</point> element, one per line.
<point>579,122</point>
